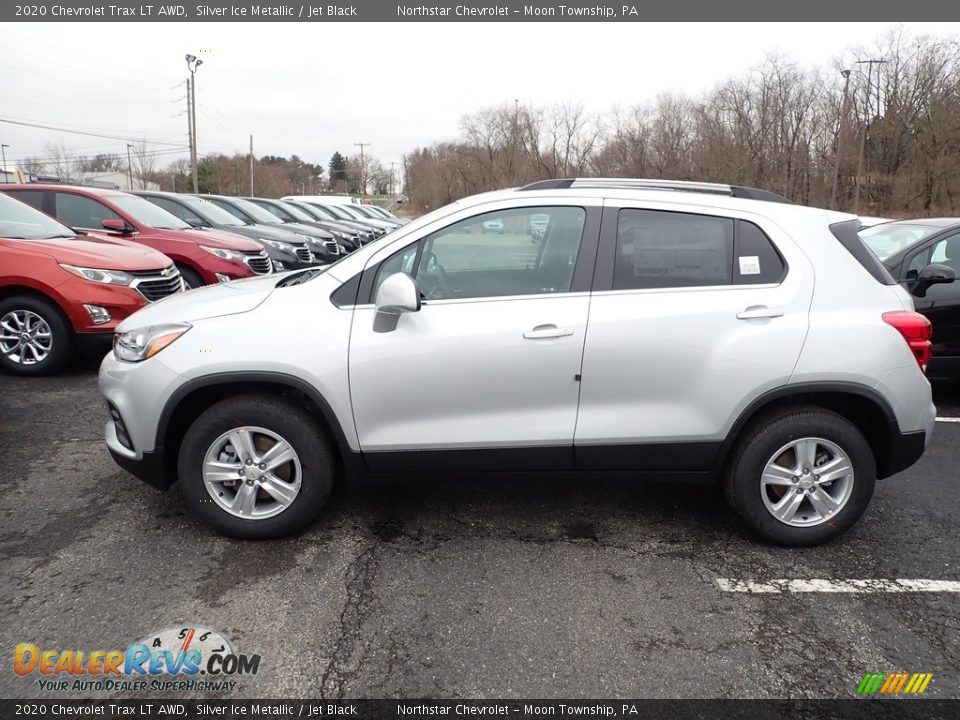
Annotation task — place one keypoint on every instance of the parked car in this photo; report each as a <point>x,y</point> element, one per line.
<point>322,247</point>
<point>347,241</point>
<point>366,212</point>
<point>386,214</point>
<point>63,293</point>
<point>365,234</point>
<point>201,214</point>
<point>354,212</point>
<point>201,258</point>
<point>332,212</point>
<point>702,332</point>
<point>924,256</point>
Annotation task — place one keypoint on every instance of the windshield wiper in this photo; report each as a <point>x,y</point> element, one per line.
<point>301,277</point>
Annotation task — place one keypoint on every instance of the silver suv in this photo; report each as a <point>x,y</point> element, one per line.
<point>678,331</point>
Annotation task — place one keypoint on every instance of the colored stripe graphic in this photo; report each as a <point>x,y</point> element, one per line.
<point>894,683</point>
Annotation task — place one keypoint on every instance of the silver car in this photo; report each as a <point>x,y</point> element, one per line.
<point>674,331</point>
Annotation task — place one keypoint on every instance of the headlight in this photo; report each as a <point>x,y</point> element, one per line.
<point>279,245</point>
<point>224,253</point>
<point>142,343</point>
<point>107,277</point>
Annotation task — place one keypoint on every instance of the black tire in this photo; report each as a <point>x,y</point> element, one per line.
<point>63,347</point>
<point>741,482</point>
<point>190,277</point>
<point>289,421</point>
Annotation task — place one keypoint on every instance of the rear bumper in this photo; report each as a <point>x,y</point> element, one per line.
<point>905,450</point>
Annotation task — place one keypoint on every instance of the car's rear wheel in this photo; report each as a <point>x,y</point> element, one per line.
<point>35,338</point>
<point>801,476</point>
<point>254,466</point>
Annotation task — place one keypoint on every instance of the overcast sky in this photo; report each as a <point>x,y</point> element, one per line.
<point>312,89</point>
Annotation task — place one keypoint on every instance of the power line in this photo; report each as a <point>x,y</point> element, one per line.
<point>84,132</point>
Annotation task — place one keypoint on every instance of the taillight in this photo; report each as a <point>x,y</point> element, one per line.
<point>916,330</point>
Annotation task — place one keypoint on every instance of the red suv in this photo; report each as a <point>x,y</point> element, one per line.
<point>60,291</point>
<point>203,257</point>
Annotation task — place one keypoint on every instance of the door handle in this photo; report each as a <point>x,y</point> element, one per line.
<point>759,312</point>
<point>541,332</point>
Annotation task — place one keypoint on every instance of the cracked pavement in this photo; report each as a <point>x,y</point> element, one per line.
<point>512,586</point>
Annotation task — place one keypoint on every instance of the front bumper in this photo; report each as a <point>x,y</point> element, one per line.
<point>138,392</point>
<point>149,468</point>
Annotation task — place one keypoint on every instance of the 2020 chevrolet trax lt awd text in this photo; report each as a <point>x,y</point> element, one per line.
<point>687,331</point>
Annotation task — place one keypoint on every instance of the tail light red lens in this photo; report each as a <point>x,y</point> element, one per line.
<point>916,330</point>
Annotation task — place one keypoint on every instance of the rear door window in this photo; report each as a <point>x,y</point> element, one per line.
<point>79,211</point>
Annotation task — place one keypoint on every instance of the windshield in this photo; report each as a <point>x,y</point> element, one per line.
<point>338,212</point>
<point>276,210</point>
<point>19,221</point>
<point>211,212</point>
<point>256,212</point>
<point>297,213</point>
<point>145,212</point>
<point>889,239</point>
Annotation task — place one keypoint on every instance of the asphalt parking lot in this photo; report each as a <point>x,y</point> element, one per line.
<point>458,587</point>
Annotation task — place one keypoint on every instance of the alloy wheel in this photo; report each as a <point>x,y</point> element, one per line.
<point>25,337</point>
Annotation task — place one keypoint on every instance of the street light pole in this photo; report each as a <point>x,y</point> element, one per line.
<point>129,169</point>
<point>193,63</point>
<point>866,124</point>
<point>843,115</point>
<point>3,152</point>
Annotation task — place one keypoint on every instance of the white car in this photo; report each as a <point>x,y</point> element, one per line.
<point>699,332</point>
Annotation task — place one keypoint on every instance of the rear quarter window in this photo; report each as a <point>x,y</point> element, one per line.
<point>847,233</point>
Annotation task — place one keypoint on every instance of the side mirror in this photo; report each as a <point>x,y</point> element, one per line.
<point>115,224</point>
<point>398,294</point>
<point>932,274</point>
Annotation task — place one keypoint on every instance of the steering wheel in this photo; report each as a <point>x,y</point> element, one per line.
<point>440,287</point>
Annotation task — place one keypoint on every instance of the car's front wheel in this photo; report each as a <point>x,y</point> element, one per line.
<point>35,339</point>
<point>801,476</point>
<point>255,466</point>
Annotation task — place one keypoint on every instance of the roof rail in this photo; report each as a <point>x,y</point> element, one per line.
<point>649,184</point>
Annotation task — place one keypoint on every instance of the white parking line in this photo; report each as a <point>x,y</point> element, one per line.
<point>838,586</point>
<point>948,419</point>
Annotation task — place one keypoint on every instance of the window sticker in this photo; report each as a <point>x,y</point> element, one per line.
<point>749,265</point>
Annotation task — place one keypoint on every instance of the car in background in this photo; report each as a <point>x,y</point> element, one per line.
<point>367,212</point>
<point>202,214</point>
<point>323,248</point>
<point>924,256</point>
<point>63,292</point>
<point>354,211</point>
<point>348,241</point>
<point>201,258</point>
<point>386,214</point>
<point>332,212</point>
<point>364,235</point>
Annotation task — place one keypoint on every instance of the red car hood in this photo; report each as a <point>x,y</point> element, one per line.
<point>94,251</point>
<point>211,238</point>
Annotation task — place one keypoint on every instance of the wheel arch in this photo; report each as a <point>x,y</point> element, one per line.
<point>194,396</point>
<point>40,293</point>
<point>861,405</point>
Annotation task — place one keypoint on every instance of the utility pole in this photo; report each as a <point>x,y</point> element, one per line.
<point>3,153</point>
<point>193,63</point>
<point>363,167</point>
<point>393,174</point>
<point>236,177</point>
<point>251,166</point>
<point>866,124</point>
<point>843,115</point>
<point>129,169</point>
